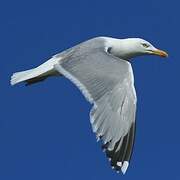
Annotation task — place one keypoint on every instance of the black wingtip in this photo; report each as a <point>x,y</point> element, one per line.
<point>121,154</point>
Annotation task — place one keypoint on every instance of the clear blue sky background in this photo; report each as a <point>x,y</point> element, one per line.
<point>44,129</point>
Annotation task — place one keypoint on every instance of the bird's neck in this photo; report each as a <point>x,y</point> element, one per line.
<point>122,48</point>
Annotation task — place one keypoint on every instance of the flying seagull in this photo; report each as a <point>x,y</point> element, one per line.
<point>101,69</point>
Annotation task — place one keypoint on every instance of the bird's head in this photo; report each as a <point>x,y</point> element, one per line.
<point>144,47</point>
<point>132,47</point>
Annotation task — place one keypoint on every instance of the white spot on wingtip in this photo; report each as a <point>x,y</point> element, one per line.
<point>124,167</point>
<point>97,139</point>
<point>119,164</point>
<point>113,167</point>
<point>109,159</point>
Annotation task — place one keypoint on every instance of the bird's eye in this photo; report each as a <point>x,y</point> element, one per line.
<point>145,45</point>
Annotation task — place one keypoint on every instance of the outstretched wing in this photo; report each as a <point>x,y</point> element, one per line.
<point>106,82</point>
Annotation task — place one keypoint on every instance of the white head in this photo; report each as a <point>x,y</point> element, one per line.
<point>132,47</point>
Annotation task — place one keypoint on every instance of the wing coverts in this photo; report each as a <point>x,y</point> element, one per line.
<point>106,82</point>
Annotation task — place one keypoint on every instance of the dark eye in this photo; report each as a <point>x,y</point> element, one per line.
<point>145,45</point>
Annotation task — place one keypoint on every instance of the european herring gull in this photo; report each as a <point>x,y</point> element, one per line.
<point>101,69</point>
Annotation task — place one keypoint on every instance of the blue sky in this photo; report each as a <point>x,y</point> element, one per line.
<point>44,129</point>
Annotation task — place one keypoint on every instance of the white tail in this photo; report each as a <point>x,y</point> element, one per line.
<point>23,76</point>
<point>37,74</point>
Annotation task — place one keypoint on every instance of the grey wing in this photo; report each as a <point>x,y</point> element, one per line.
<point>107,82</point>
<point>113,120</point>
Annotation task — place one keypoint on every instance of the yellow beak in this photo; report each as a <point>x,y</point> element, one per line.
<point>160,53</point>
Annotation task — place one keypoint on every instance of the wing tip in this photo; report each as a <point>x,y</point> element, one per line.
<point>124,167</point>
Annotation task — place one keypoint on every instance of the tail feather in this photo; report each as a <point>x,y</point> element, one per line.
<point>22,76</point>
<point>37,74</point>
